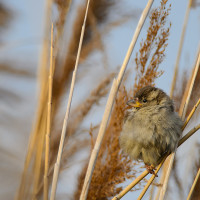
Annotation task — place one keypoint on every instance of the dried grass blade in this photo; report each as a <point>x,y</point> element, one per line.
<point>182,113</point>
<point>48,130</point>
<point>188,135</point>
<point>115,87</point>
<point>63,134</point>
<point>151,179</point>
<point>24,188</point>
<point>130,186</point>
<point>193,185</point>
<point>166,164</point>
<point>191,114</point>
<point>180,48</point>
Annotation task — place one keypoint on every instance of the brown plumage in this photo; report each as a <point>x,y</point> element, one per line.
<point>151,127</point>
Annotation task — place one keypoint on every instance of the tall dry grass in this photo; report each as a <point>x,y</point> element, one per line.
<point>112,167</point>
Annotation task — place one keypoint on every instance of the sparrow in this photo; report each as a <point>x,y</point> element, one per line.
<point>151,127</point>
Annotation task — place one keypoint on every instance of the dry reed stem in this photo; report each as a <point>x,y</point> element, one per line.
<point>181,110</point>
<point>180,48</point>
<point>110,101</point>
<point>191,114</point>
<point>145,173</point>
<point>187,94</point>
<point>63,134</point>
<point>48,130</point>
<point>130,186</point>
<point>23,188</point>
<point>188,135</point>
<point>182,113</point>
<point>193,185</point>
<point>151,180</point>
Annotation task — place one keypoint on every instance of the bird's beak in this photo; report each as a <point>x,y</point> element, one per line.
<point>134,103</point>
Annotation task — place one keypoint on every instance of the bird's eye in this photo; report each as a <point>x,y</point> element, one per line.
<point>144,100</point>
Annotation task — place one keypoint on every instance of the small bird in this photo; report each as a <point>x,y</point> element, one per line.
<point>151,127</point>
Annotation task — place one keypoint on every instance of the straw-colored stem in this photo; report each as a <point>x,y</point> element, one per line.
<point>110,101</point>
<point>193,185</point>
<point>145,173</point>
<point>191,114</point>
<point>182,113</point>
<point>48,131</point>
<point>180,48</point>
<point>151,179</point>
<point>63,134</point>
<point>130,186</point>
<point>188,135</point>
<point>23,191</point>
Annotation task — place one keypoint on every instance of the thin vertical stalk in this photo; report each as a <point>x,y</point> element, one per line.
<point>193,185</point>
<point>166,164</point>
<point>65,123</point>
<point>180,48</point>
<point>182,113</point>
<point>151,180</point>
<point>185,101</point>
<point>130,186</point>
<point>48,131</point>
<point>110,102</point>
<point>23,191</point>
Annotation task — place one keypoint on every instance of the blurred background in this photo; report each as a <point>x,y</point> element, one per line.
<point>25,30</point>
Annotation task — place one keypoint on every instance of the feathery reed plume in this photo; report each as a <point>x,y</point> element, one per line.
<point>152,49</point>
<point>113,92</point>
<point>111,167</point>
<point>104,184</point>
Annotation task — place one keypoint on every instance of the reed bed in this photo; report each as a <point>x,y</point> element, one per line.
<point>56,145</point>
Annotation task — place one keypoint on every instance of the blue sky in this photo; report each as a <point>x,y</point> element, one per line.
<point>24,37</point>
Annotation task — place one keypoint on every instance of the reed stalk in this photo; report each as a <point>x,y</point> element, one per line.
<point>181,110</point>
<point>110,102</point>
<point>130,186</point>
<point>65,123</point>
<point>182,113</point>
<point>180,47</point>
<point>151,180</point>
<point>193,185</point>
<point>48,130</point>
<point>23,192</point>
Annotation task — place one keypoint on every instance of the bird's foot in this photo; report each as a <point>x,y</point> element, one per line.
<point>150,169</point>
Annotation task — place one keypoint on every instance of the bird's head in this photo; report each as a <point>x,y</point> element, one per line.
<point>150,96</point>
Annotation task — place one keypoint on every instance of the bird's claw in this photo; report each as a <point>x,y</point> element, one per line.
<point>150,169</point>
